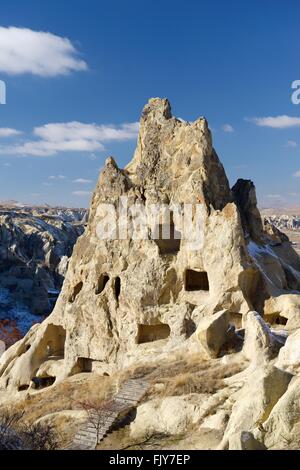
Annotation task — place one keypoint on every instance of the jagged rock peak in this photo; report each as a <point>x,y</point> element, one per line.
<point>244,195</point>
<point>111,162</point>
<point>158,108</point>
<point>170,152</point>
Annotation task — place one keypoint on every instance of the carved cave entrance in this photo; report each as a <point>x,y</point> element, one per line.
<point>196,280</point>
<point>103,280</point>
<point>168,240</point>
<point>150,333</point>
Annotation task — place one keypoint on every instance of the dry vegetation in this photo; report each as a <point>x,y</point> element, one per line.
<point>189,374</point>
<point>66,395</point>
<point>180,375</point>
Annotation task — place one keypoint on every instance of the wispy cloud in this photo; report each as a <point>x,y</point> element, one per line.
<point>57,177</point>
<point>24,51</point>
<point>227,128</point>
<point>82,181</point>
<point>82,193</point>
<point>274,196</point>
<point>8,132</point>
<point>71,137</point>
<point>276,122</point>
<point>291,144</point>
<point>297,174</point>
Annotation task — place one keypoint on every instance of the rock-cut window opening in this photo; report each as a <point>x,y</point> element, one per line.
<point>55,344</point>
<point>280,320</point>
<point>150,333</point>
<point>117,288</point>
<point>103,280</point>
<point>84,364</point>
<point>76,291</point>
<point>22,388</point>
<point>196,280</point>
<point>168,240</point>
<point>43,382</point>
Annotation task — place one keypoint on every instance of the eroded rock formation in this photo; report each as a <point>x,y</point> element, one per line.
<point>35,244</point>
<point>128,298</point>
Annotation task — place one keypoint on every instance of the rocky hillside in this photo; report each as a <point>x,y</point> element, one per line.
<point>35,245</point>
<point>206,317</point>
<point>286,220</point>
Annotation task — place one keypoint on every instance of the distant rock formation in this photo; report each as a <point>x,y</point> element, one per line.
<point>35,244</point>
<point>127,298</point>
<point>284,222</point>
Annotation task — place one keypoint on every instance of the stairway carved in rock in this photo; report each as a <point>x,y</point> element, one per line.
<point>99,423</point>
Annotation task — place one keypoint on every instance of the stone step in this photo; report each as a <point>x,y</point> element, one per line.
<point>131,390</point>
<point>85,437</point>
<point>87,444</point>
<point>134,386</point>
<point>128,394</point>
<point>125,400</point>
<point>85,441</point>
<point>101,422</point>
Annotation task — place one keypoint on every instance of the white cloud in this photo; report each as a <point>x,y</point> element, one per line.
<point>276,122</point>
<point>8,132</point>
<point>44,148</point>
<point>274,196</point>
<point>227,128</point>
<point>71,137</point>
<point>297,174</point>
<point>76,131</point>
<point>82,193</point>
<point>82,181</point>
<point>24,51</point>
<point>57,177</point>
<point>291,143</point>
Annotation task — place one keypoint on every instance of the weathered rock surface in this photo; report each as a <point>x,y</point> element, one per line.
<point>35,244</point>
<point>121,298</point>
<point>282,428</point>
<point>159,416</point>
<point>245,198</point>
<point>212,332</point>
<point>2,347</point>
<point>129,299</point>
<point>289,355</point>
<point>254,402</point>
<point>217,421</point>
<point>260,344</point>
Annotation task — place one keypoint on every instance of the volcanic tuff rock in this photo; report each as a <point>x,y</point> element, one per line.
<point>35,244</point>
<point>129,300</point>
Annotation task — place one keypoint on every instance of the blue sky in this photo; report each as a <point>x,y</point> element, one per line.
<point>232,62</point>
